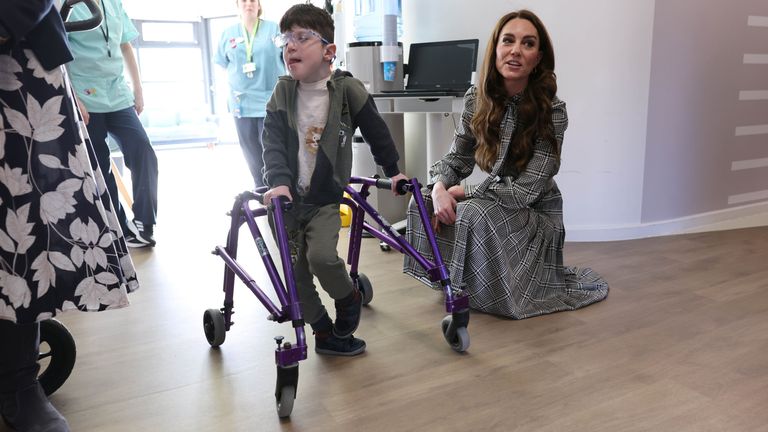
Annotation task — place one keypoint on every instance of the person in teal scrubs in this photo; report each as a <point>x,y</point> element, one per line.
<point>253,65</point>
<point>110,107</point>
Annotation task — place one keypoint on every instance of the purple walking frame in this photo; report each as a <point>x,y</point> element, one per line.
<point>216,322</point>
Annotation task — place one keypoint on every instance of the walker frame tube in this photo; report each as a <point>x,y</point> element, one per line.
<point>285,354</point>
<point>436,269</point>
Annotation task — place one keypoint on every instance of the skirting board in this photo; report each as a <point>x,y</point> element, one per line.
<point>746,216</point>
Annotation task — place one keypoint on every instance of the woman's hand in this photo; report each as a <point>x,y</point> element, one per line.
<point>444,204</point>
<point>138,100</point>
<point>457,192</point>
<point>276,192</point>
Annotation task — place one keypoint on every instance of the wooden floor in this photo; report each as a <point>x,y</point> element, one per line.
<point>680,344</point>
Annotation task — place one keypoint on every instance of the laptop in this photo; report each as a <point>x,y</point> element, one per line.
<point>439,69</point>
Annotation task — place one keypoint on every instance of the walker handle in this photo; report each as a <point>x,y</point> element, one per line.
<point>402,187</point>
<point>258,195</point>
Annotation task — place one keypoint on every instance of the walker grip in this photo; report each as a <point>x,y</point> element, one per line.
<point>402,187</point>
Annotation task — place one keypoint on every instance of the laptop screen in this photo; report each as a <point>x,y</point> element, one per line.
<point>446,65</point>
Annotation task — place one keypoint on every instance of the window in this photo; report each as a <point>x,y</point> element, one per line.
<point>175,73</point>
<point>169,32</point>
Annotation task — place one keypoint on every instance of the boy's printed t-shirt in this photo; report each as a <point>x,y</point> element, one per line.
<point>312,105</point>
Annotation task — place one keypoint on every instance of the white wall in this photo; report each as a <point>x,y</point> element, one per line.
<point>702,161</point>
<point>603,52</point>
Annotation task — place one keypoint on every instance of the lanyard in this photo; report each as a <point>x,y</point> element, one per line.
<point>249,41</point>
<point>105,23</point>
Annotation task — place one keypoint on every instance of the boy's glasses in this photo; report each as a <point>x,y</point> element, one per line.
<point>298,37</point>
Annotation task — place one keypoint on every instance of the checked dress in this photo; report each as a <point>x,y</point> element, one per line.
<point>506,247</point>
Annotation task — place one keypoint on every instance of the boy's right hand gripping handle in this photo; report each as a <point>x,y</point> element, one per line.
<point>402,187</point>
<point>281,201</point>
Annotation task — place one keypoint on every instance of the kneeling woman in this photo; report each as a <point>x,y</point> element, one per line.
<point>503,238</point>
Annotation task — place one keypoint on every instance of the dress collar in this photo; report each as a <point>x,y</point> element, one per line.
<point>514,100</point>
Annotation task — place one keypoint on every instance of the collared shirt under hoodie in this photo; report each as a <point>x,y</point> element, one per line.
<point>312,103</point>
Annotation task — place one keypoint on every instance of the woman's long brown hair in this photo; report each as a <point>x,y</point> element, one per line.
<point>534,119</point>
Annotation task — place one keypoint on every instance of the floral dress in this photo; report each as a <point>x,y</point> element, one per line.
<point>61,247</point>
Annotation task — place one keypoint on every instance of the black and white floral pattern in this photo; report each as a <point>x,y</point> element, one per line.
<point>61,247</point>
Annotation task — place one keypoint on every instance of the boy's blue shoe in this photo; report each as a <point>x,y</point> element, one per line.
<point>330,344</point>
<point>348,314</point>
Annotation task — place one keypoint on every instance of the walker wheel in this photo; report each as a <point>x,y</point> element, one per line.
<point>57,355</point>
<point>285,401</point>
<point>214,327</point>
<point>365,287</point>
<point>385,247</point>
<point>457,337</point>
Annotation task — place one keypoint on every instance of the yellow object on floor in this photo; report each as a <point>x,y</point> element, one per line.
<point>346,213</point>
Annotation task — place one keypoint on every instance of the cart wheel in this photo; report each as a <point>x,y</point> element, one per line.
<point>214,327</point>
<point>365,287</point>
<point>457,338</point>
<point>285,401</point>
<point>57,355</point>
<point>385,247</point>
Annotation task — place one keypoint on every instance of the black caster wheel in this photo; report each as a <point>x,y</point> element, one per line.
<point>365,287</point>
<point>57,355</point>
<point>457,337</point>
<point>214,327</point>
<point>285,401</point>
<point>285,389</point>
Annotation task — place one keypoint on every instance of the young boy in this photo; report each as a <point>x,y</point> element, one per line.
<point>308,130</point>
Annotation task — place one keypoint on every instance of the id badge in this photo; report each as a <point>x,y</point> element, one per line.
<point>248,68</point>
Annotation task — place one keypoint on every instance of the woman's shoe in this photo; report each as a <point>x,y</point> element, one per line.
<point>29,410</point>
<point>23,404</point>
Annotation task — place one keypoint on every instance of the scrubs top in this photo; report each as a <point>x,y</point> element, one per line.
<point>97,71</point>
<point>248,96</point>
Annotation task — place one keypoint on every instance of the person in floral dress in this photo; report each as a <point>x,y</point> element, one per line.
<point>61,247</point>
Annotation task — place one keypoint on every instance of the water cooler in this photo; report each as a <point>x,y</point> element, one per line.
<point>364,62</point>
